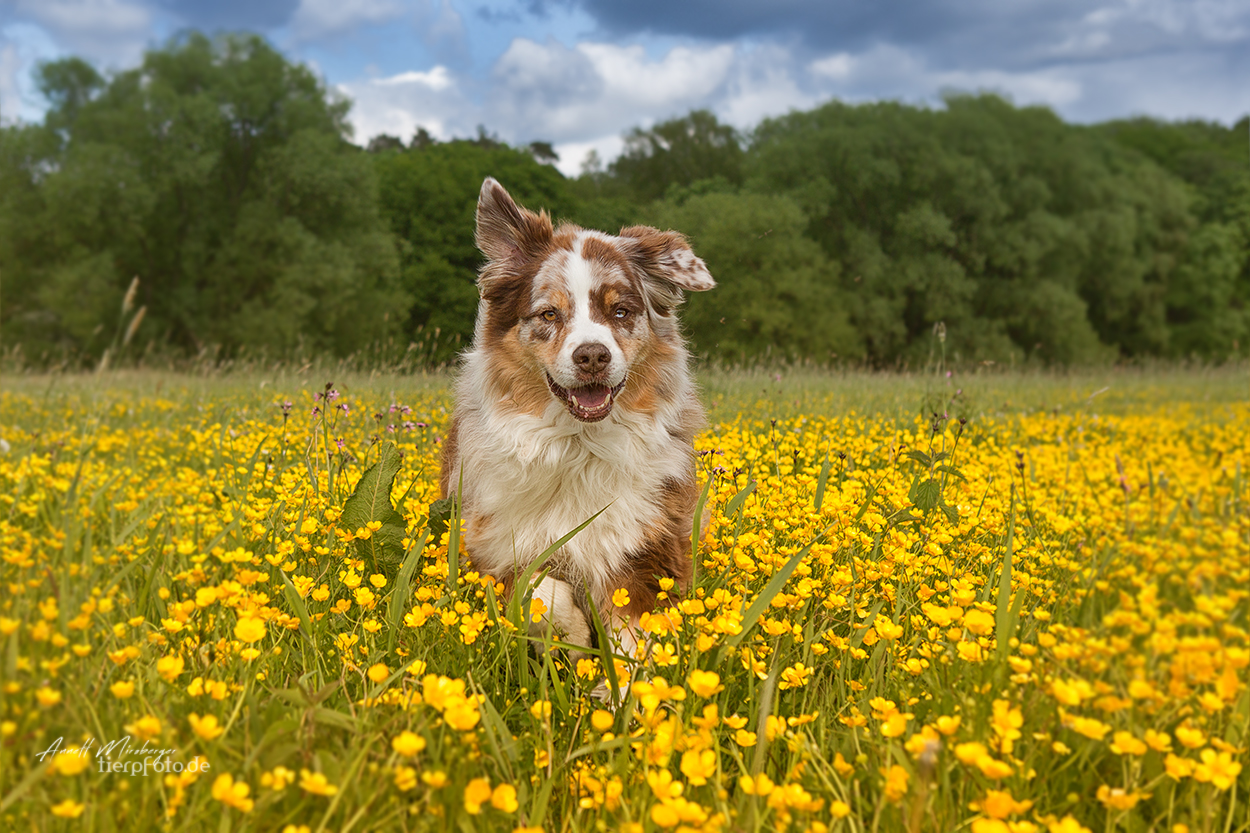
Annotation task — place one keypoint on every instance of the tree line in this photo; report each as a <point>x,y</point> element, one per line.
<point>221,175</point>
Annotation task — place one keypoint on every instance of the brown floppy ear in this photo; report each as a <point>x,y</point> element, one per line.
<point>507,233</point>
<point>667,263</point>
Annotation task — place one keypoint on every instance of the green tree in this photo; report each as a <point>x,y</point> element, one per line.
<point>219,173</point>
<point>429,196</point>
<point>1019,232</point>
<point>678,152</point>
<point>1208,306</point>
<point>776,294</point>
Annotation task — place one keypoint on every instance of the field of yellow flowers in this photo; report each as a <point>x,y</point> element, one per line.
<point>235,604</point>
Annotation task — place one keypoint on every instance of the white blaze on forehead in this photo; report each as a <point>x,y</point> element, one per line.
<point>579,279</point>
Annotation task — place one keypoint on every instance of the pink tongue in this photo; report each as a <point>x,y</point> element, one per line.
<point>591,397</point>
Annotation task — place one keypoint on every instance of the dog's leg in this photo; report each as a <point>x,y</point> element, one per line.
<point>627,640</point>
<point>563,613</point>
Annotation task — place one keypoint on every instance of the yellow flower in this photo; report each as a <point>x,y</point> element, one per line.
<point>70,761</point>
<point>886,629</point>
<point>462,715</point>
<point>1088,726</point>
<point>169,667</point>
<point>145,728</point>
<point>277,779</point>
<point>122,689</point>
<point>1190,737</point>
<point>970,753</point>
<point>249,629</point>
<point>408,744</point>
<point>206,727</point>
<point>1218,768</point>
<point>979,622</point>
<point>1117,799</point>
<point>602,720</point>
<point>620,597</point>
<point>68,809</point>
<point>759,785</point>
<point>540,710</point>
<point>896,781</point>
<point>895,725</point>
<point>1177,767</point>
<point>969,651</point>
<point>999,804</point>
<point>232,793</point>
<point>698,765</point>
<point>503,798</point>
<point>476,793</point>
<point>704,683</point>
<point>664,655</point>
<point>796,676</point>
<point>1158,741</point>
<point>993,768</point>
<point>378,672</point>
<point>744,738</point>
<point>316,783</point>
<point>47,697</point>
<point>405,778</point>
<point>1067,825</point>
<point>1124,743</point>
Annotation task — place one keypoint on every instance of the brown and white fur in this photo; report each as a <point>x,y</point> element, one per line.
<point>576,397</point>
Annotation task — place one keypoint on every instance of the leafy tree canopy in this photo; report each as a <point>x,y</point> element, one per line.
<point>219,174</point>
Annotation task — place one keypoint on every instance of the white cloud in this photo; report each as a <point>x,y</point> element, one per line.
<point>399,104</point>
<point>436,79</point>
<point>442,29</point>
<point>110,31</point>
<point>1053,88</point>
<point>574,155</point>
<point>837,67</point>
<point>22,45</point>
<point>890,72</point>
<point>10,95</point>
<point>317,18</point>
<point>549,91</point>
<point>765,82</point>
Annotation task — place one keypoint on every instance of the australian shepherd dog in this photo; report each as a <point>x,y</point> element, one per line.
<point>576,398</point>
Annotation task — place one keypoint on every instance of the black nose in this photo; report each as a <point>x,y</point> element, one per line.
<point>592,358</point>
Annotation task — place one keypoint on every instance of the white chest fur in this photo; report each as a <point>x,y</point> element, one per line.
<point>529,480</point>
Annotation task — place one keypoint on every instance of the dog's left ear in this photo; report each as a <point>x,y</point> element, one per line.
<point>667,262</point>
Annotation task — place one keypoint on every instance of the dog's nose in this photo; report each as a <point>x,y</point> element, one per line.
<point>592,358</point>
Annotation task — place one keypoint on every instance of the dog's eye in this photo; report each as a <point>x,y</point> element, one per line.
<point>621,314</point>
<point>549,315</point>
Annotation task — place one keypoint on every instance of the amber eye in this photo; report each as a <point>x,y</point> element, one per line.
<point>550,315</point>
<point>621,314</point>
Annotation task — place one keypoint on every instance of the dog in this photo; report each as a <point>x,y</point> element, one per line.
<point>576,398</point>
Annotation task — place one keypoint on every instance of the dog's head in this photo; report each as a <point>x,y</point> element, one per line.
<point>570,313</point>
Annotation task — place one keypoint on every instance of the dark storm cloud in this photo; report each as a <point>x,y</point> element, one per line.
<point>950,33</point>
<point>231,14</point>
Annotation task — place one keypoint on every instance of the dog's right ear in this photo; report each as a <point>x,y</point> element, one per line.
<point>507,233</point>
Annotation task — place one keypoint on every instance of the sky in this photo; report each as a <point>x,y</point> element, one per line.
<point>580,73</point>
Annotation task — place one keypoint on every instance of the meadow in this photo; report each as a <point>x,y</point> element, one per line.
<point>986,601</point>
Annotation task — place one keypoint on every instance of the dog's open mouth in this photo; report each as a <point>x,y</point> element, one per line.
<point>589,403</point>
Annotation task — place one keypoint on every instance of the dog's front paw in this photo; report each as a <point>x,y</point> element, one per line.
<point>563,618</point>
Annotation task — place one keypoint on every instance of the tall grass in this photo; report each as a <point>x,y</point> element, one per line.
<point>989,601</point>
